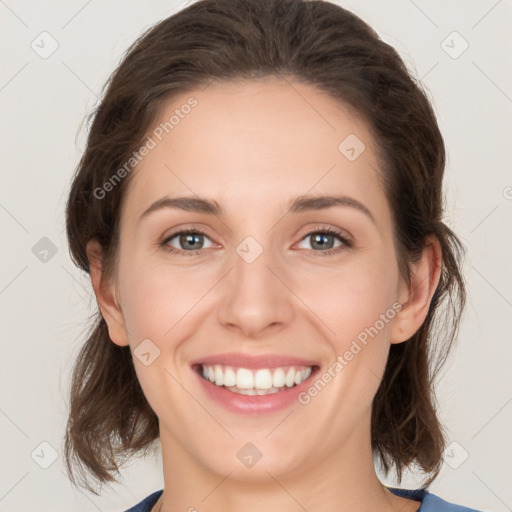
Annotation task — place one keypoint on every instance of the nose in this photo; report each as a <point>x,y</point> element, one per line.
<point>255,298</point>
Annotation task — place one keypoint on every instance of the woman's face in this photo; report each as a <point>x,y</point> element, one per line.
<point>259,294</point>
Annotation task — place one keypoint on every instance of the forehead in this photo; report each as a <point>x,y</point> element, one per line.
<point>252,143</point>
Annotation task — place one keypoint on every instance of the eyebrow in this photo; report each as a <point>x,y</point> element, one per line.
<point>298,205</point>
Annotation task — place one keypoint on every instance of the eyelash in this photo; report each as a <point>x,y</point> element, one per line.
<point>348,244</point>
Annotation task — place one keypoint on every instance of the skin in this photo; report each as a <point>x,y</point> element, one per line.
<point>253,146</point>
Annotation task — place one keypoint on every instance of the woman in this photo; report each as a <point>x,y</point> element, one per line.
<point>259,207</point>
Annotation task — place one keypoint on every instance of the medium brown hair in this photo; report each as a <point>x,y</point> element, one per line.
<point>325,46</point>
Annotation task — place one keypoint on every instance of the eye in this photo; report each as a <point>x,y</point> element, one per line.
<point>323,241</point>
<point>189,241</point>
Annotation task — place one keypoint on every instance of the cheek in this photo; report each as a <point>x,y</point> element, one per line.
<point>354,306</point>
<point>156,300</point>
<point>358,309</point>
<point>353,301</point>
<point>158,305</point>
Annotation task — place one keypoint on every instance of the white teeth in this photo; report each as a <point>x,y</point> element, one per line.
<point>219,376</point>
<point>278,378</point>
<point>253,392</point>
<point>244,379</point>
<point>229,377</point>
<point>263,381</point>
<point>250,392</point>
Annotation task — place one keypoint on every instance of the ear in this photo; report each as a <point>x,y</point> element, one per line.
<point>416,299</point>
<point>105,292</point>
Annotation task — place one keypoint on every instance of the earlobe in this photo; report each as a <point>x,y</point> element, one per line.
<point>105,292</point>
<point>416,298</point>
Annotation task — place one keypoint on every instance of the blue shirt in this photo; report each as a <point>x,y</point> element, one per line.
<point>429,502</point>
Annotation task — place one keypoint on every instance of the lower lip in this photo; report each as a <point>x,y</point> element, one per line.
<point>256,404</point>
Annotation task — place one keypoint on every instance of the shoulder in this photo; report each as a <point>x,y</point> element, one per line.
<point>430,502</point>
<point>147,503</point>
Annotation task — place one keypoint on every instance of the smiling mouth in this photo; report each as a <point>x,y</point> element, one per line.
<point>252,382</point>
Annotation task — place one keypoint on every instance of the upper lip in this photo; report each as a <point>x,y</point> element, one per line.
<point>241,360</point>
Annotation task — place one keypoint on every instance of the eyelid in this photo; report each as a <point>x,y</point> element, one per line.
<point>326,228</point>
<point>182,231</point>
<point>187,228</point>
<point>345,239</point>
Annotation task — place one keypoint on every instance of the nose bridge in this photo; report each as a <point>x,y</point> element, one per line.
<point>254,298</point>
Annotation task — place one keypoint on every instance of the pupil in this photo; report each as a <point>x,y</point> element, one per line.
<point>318,239</point>
<point>189,240</point>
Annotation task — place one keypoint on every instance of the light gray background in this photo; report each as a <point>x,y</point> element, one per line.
<point>45,305</point>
